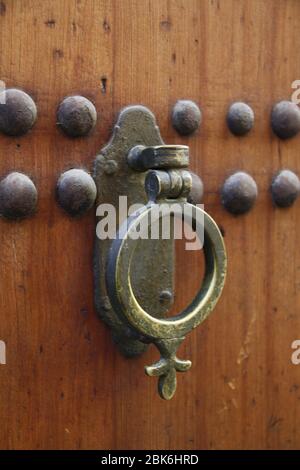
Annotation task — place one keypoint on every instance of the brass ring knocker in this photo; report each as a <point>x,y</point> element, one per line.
<point>167,334</point>
<point>137,164</point>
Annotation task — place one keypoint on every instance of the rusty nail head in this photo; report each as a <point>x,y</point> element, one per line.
<point>285,119</point>
<point>18,112</point>
<point>76,192</point>
<point>285,188</point>
<point>18,196</point>
<point>186,117</point>
<point>76,116</point>
<point>239,193</point>
<point>240,118</point>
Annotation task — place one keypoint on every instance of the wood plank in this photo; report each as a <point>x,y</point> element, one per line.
<point>65,385</point>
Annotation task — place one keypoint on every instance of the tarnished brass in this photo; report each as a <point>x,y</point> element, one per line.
<point>167,334</point>
<point>133,323</point>
<point>113,176</point>
<point>161,156</point>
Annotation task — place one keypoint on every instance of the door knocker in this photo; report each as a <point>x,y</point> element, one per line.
<point>128,277</point>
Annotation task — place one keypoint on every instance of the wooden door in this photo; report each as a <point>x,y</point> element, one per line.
<point>64,384</point>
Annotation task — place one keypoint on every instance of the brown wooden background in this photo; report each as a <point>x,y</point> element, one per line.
<point>65,385</point>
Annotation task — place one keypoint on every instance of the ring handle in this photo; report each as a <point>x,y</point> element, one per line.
<point>167,334</point>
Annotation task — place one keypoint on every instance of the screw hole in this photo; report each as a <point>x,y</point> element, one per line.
<point>103,85</point>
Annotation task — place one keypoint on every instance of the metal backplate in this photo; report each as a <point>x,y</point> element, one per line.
<point>152,271</point>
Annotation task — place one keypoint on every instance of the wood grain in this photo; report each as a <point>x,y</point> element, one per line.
<point>65,386</point>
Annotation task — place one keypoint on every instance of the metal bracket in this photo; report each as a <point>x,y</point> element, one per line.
<point>152,277</point>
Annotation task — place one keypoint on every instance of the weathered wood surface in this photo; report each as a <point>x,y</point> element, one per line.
<point>65,385</point>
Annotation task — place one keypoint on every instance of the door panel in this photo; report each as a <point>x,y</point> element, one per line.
<point>65,385</point>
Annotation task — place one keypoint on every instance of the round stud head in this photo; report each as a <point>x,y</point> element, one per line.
<point>239,193</point>
<point>186,117</point>
<point>76,192</point>
<point>285,188</point>
<point>18,196</point>
<point>285,119</point>
<point>240,118</point>
<point>18,112</point>
<point>76,116</point>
